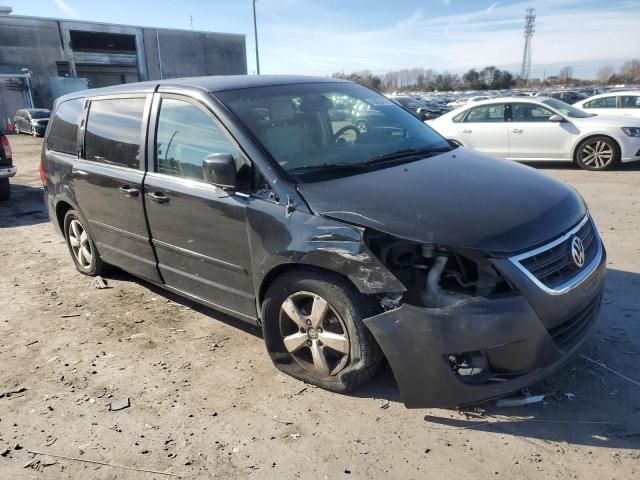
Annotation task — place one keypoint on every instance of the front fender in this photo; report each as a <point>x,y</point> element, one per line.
<point>305,239</point>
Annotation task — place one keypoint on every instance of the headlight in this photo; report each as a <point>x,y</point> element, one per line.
<point>632,131</point>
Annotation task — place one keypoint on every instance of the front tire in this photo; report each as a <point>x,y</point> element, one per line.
<point>5,189</point>
<point>313,330</point>
<point>16,129</point>
<point>597,154</point>
<point>81,246</point>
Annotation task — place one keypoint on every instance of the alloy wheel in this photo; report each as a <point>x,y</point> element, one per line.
<point>598,154</point>
<point>80,244</point>
<point>314,333</point>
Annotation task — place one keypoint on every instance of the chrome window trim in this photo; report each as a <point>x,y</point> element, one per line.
<point>575,281</point>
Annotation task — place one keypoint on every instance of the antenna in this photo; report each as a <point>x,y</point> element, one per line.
<point>529,28</point>
<point>191,21</point>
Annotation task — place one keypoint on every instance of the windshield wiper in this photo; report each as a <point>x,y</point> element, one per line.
<point>405,154</point>
<point>329,166</point>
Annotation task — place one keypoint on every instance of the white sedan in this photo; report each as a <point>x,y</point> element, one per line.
<point>540,128</point>
<point>625,103</point>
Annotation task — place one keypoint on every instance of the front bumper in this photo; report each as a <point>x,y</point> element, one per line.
<point>7,171</point>
<point>630,149</point>
<point>517,334</point>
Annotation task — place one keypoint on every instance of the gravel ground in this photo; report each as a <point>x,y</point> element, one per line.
<point>205,400</point>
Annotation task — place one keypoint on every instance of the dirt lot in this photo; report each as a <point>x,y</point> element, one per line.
<point>206,402</point>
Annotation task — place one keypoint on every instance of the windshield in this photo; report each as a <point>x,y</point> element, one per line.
<point>567,109</point>
<point>40,114</point>
<point>317,131</point>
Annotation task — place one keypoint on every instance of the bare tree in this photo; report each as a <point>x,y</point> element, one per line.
<point>604,74</point>
<point>630,71</point>
<point>566,74</point>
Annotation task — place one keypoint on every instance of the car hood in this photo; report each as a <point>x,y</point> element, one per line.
<point>460,199</point>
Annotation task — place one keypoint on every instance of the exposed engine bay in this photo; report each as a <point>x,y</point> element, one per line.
<point>434,277</point>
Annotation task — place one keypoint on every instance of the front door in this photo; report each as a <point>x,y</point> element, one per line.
<point>484,129</point>
<point>533,137</point>
<point>603,106</point>
<point>108,183</point>
<point>199,231</point>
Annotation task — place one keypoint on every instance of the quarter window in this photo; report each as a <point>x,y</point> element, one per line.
<point>529,112</point>
<point>186,134</point>
<point>486,114</point>
<point>113,131</point>
<point>630,101</point>
<point>63,133</point>
<point>604,102</point>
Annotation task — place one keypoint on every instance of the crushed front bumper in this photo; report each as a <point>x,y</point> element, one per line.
<point>524,337</point>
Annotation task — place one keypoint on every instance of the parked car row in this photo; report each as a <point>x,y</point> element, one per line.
<point>543,128</point>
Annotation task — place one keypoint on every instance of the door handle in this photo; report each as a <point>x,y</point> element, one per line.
<point>158,197</point>
<point>466,130</point>
<point>127,191</point>
<point>516,130</point>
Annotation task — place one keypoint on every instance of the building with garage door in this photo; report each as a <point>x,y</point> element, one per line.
<point>43,58</point>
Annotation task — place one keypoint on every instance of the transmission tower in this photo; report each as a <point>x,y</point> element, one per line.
<point>529,28</point>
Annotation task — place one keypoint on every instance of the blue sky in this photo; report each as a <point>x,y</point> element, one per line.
<point>323,36</point>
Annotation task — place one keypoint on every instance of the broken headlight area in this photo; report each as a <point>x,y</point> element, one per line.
<point>434,276</point>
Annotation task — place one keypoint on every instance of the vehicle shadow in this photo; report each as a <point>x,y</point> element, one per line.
<point>122,276</point>
<point>585,403</point>
<point>24,207</point>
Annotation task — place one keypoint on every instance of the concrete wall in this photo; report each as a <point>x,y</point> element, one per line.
<point>37,44</point>
<point>189,54</point>
<point>34,44</point>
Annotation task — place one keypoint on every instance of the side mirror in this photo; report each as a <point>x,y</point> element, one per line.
<point>556,118</point>
<point>219,169</point>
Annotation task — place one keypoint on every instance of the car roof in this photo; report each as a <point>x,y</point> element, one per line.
<point>612,94</point>
<point>215,83</point>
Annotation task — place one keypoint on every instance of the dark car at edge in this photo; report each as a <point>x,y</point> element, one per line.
<point>472,276</point>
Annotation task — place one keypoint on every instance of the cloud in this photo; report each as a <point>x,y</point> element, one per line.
<point>491,7</point>
<point>66,8</point>
<point>572,32</point>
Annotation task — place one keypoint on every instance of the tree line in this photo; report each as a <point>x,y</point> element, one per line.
<point>487,78</point>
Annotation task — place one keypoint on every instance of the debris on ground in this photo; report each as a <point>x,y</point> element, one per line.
<point>285,422</point>
<point>120,404</point>
<point>100,283</point>
<point>385,404</point>
<point>9,393</point>
<point>519,400</point>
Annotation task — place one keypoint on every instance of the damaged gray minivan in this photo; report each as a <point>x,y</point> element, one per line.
<point>260,197</point>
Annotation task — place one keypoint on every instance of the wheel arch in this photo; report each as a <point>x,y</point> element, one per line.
<point>589,136</point>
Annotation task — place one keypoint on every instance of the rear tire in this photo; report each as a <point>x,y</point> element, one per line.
<point>337,353</point>
<point>5,189</point>
<point>597,154</point>
<point>81,246</point>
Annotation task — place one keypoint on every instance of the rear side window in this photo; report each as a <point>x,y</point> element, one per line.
<point>630,101</point>
<point>113,131</point>
<point>529,112</point>
<point>486,113</point>
<point>605,102</point>
<point>63,132</point>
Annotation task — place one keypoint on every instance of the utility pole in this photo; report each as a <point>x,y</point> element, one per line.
<point>255,32</point>
<point>529,28</point>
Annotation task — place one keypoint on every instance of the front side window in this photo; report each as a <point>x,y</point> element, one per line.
<point>630,101</point>
<point>318,131</point>
<point>186,134</point>
<point>529,112</point>
<point>566,109</point>
<point>113,131</point>
<point>63,132</point>
<point>486,114</point>
<point>604,102</point>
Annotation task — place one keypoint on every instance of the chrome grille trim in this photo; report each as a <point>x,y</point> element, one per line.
<point>580,277</point>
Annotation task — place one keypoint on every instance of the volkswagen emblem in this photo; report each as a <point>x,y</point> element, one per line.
<point>577,252</point>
